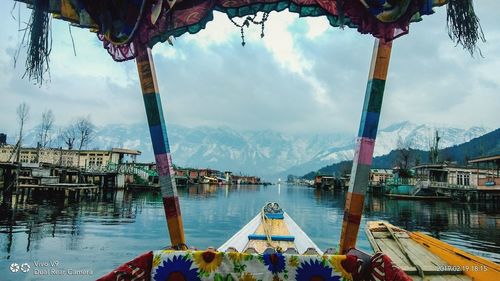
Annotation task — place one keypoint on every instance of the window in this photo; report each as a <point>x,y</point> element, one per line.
<point>463,178</point>
<point>466,179</point>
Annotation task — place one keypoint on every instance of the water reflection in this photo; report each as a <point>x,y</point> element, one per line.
<point>100,233</point>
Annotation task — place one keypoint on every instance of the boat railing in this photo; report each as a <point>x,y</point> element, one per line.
<point>401,181</point>
<point>446,185</point>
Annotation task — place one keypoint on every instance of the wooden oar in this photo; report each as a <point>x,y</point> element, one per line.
<point>403,250</point>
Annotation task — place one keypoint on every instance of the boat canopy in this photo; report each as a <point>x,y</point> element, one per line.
<point>123,25</point>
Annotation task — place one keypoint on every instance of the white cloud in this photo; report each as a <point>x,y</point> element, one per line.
<point>316,27</point>
<point>302,76</point>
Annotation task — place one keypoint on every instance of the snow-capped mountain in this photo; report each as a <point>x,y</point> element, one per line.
<point>267,153</point>
<point>401,134</point>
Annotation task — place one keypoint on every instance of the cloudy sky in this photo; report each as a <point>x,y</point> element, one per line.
<point>302,77</point>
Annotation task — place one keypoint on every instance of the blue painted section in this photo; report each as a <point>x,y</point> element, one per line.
<point>369,125</point>
<point>273,237</point>
<point>275,216</point>
<point>158,138</point>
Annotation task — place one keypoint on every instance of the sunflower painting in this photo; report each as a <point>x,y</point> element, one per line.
<point>176,269</point>
<point>275,262</point>
<point>315,270</point>
<point>210,265</point>
<point>208,261</point>
<point>247,277</point>
<point>336,262</point>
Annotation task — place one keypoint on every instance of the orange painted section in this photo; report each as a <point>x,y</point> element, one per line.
<point>352,216</point>
<point>176,231</point>
<point>380,60</point>
<point>475,267</point>
<point>147,73</point>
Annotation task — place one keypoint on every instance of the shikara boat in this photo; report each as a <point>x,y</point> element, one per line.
<point>269,247</point>
<point>426,258</point>
<point>419,197</point>
<point>418,193</point>
<point>269,230</point>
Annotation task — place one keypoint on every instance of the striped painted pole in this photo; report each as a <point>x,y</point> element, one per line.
<point>364,145</point>
<point>158,131</point>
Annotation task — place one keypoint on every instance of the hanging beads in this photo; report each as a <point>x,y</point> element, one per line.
<point>246,23</point>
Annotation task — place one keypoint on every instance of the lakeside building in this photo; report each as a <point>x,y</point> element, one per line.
<point>69,158</point>
<point>451,176</point>
<point>380,176</point>
<point>184,176</point>
<point>492,165</point>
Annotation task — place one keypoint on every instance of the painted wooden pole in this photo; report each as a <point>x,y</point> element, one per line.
<point>158,131</point>
<point>364,145</point>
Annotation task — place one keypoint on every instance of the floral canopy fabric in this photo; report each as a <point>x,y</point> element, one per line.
<point>165,265</point>
<point>126,25</point>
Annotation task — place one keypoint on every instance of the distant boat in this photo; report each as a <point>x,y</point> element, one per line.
<point>327,182</point>
<point>415,192</point>
<point>209,180</point>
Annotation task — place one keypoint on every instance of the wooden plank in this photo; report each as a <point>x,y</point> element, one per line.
<point>390,248</point>
<point>371,239</point>
<point>381,235</point>
<point>422,255</point>
<point>419,255</point>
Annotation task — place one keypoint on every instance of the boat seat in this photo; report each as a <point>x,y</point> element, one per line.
<point>288,238</point>
<point>275,216</point>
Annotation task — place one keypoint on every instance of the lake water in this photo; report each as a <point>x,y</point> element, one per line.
<point>84,240</point>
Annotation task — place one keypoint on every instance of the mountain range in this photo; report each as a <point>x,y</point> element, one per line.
<point>485,145</point>
<point>268,154</point>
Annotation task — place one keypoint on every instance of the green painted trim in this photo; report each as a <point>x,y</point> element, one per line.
<point>152,103</point>
<point>374,95</point>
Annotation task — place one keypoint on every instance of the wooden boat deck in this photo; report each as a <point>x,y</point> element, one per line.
<point>276,228</point>
<point>283,232</point>
<point>413,257</point>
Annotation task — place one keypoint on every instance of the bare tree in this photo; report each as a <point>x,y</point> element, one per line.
<point>45,129</point>
<point>23,111</point>
<point>404,157</point>
<point>434,148</point>
<point>68,136</point>
<point>85,131</point>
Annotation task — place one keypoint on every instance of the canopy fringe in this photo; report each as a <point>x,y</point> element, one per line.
<point>40,42</point>
<point>463,25</point>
